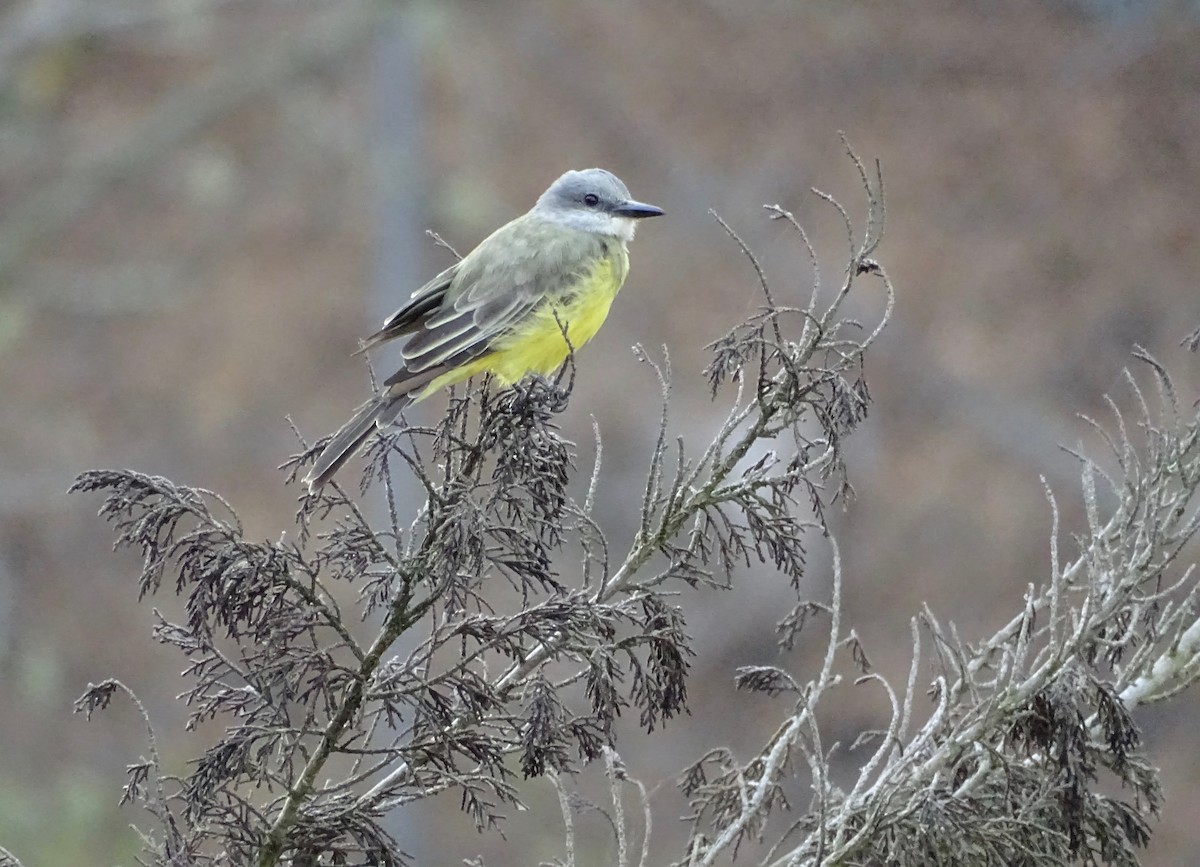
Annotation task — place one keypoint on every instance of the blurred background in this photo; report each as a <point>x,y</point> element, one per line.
<point>205,203</point>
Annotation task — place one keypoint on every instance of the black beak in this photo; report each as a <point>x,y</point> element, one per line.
<point>637,210</point>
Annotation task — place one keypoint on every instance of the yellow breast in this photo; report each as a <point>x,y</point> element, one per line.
<point>537,345</point>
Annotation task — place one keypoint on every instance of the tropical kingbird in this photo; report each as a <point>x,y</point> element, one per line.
<point>517,304</point>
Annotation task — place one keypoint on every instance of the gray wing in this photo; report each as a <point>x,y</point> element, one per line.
<point>409,318</point>
<point>496,286</point>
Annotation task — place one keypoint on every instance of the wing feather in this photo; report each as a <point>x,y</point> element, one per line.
<point>411,317</point>
<point>435,336</point>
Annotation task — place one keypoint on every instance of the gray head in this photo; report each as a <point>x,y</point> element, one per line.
<point>593,200</point>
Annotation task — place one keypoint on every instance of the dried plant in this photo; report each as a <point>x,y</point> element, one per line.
<point>1026,726</point>
<point>511,634</point>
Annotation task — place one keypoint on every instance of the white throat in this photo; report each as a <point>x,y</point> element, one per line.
<point>592,222</point>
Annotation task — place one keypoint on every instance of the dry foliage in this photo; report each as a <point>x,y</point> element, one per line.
<point>997,751</point>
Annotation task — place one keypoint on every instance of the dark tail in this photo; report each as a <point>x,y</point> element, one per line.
<point>349,439</point>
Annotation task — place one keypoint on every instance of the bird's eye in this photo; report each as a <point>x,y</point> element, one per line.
<point>591,200</point>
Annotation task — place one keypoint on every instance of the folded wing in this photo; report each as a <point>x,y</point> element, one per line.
<point>457,316</point>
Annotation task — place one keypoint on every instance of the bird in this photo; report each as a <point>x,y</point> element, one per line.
<point>532,292</point>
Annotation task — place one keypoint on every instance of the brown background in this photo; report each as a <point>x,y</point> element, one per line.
<point>188,243</point>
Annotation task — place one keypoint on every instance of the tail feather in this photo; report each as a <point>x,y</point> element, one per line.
<point>351,436</point>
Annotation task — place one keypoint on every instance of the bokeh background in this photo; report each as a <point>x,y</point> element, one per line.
<point>204,203</point>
